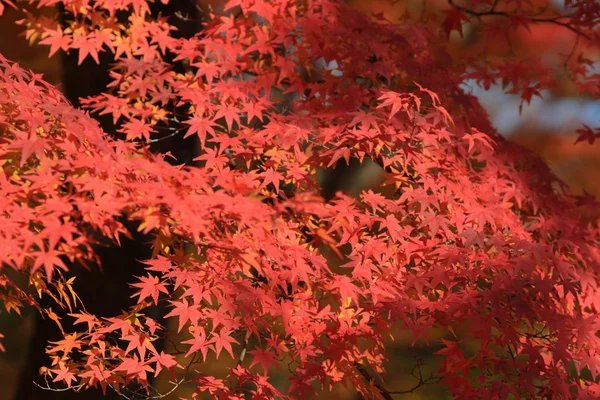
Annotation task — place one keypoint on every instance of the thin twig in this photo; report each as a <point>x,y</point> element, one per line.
<point>493,12</point>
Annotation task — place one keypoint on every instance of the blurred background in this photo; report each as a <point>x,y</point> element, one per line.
<point>546,126</point>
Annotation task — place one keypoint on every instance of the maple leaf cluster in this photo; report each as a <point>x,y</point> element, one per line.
<point>472,232</point>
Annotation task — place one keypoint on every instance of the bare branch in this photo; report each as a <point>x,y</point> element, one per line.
<point>493,12</point>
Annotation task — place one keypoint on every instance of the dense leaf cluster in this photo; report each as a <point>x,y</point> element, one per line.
<point>469,232</point>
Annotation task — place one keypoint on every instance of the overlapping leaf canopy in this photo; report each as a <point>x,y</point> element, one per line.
<point>472,230</point>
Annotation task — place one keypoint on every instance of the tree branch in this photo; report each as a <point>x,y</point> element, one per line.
<point>493,12</point>
<point>387,394</point>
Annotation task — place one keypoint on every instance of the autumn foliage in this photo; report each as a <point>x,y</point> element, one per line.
<point>467,231</point>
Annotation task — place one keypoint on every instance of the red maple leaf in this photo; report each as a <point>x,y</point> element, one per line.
<point>57,40</point>
<point>264,358</point>
<point>64,374</point>
<point>150,287</point>
<point>134,368</point>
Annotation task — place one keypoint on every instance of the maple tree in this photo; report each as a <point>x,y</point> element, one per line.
<point>467,232</point>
